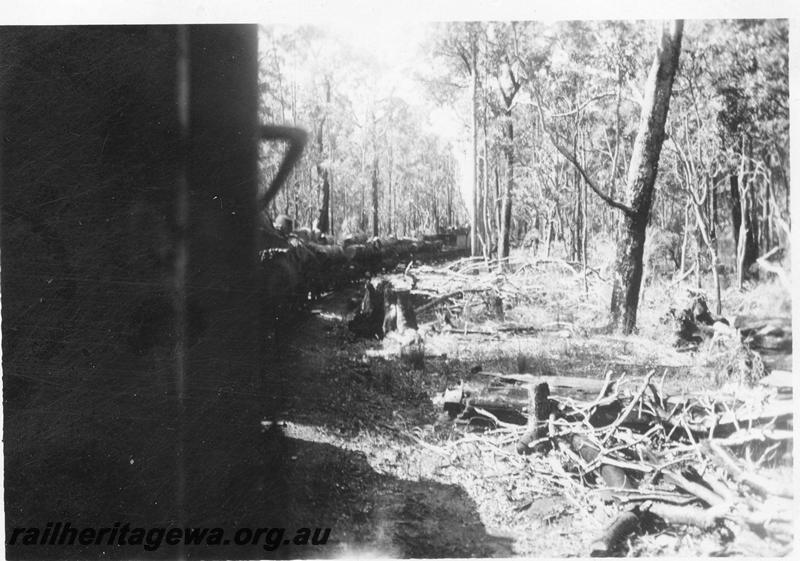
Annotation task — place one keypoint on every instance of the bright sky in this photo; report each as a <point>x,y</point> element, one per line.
<point>397,46</point>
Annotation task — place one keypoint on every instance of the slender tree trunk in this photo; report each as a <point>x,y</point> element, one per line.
<point>766,216</point>
<point>698,279</point>
<point>375,200</point>
<point>584,240</point>
<point>322,222</point>
<point>503,245</point>
<point>498,199</point>
<point>450,216</point>
<point>641,180</point>
<point>712,210</point>
<point>685,242</point>
<point>704,231</point>
<point>390,200</point>
<point>473,211</point>
<point>330,204</point>
<point>577,231</point>
<point>736,208</point>
<point>742,213</point>
<point>741,246</point>
<point>488,234</point>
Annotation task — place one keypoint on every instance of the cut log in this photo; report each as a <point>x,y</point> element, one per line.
<point>703,518</point>
<point>510,404</point>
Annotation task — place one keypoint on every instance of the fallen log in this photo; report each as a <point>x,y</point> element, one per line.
<point>629,521</point>
<point>557,384</point>
<point>703,518</point>
<point>509,396</point>
<point>641,496</point>
<point>508,403</point>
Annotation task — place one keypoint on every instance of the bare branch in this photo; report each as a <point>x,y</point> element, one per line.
<point>584,105</point>
<point>574,161</point>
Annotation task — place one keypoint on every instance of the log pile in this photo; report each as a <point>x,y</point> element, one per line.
<point>694,460</point>
<point>297,267</point>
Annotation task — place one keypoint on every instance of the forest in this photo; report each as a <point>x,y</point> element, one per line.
<point>527,131</point>
<point>623,188</point>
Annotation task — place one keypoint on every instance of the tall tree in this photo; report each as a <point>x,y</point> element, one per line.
<point>510,84</point>
<point>322,222</point>
<point>375,183</point>
<point>641,179</point>
<point>642,172</point>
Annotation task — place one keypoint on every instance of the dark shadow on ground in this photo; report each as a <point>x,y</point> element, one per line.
<point>268,481</point>
<point>383,515</point>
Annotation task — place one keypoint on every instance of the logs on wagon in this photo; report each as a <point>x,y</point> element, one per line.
<point>299,265</point>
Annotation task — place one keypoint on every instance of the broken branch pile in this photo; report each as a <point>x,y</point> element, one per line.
<point>698,460</point>
<point>472,295</point>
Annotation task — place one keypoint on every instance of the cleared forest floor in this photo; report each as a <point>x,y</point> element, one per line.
<point>372,456</point>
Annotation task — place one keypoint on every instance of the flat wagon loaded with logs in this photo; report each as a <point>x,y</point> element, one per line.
<point>664,456</point>
<point>298,266</point>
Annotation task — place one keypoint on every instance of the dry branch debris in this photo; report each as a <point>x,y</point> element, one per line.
<point>657,454</point>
